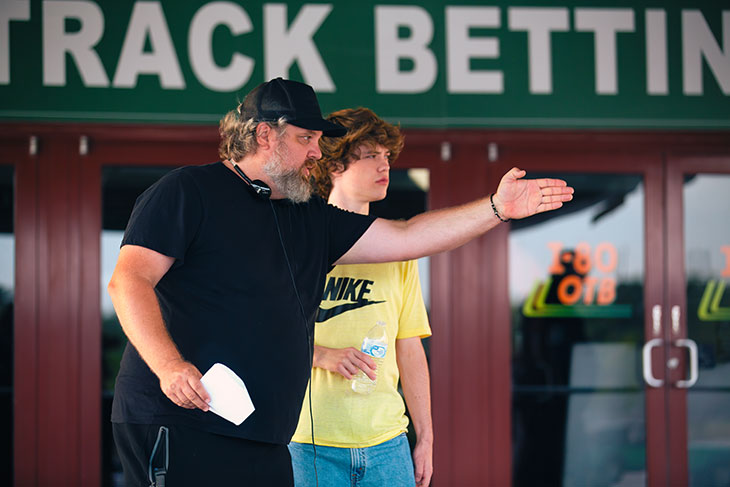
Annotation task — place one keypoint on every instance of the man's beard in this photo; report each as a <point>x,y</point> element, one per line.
<point>290,181</point>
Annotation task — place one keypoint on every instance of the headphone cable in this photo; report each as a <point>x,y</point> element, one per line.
<point>306,332</point>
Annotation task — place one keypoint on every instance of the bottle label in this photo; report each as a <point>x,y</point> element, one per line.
<point>374,348</point>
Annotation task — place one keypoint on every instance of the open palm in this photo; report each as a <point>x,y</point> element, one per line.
<point>520,198</point>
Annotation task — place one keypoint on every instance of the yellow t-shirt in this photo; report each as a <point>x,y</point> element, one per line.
<point>355,298</point>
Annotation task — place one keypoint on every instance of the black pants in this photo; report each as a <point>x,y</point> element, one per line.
<point>198,458</point>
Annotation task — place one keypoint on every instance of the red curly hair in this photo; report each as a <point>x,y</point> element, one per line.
<point>363,127</point>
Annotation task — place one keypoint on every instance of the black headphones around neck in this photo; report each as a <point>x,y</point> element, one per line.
<point>259,187</point>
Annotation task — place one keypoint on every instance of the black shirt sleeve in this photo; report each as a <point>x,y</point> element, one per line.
<point>167,216</point>
<point>345,228</point>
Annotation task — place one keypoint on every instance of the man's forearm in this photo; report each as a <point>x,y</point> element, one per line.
<point>445,229</point>
<point>138,310</point>
<point>425,234</point>
<point>436,231</point>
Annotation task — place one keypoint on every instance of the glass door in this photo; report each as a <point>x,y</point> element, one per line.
<point>698,362</point>
<point>583,285</point>
<point>577,282</point>
<point>620,318</point>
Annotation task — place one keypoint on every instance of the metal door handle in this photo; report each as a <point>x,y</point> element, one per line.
<point>646,354</point>
<point>693,370</point>
<point>656,319</point>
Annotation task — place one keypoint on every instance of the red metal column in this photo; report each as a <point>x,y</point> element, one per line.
<point>59,414</point>
<point>88,224</point>
<point>25,369</point>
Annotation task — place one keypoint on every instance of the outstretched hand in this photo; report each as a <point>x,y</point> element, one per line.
<point>520,198</point>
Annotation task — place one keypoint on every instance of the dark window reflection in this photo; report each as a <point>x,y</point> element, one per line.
<point>7,290</point>
<point>706,200</point>
<point>576,291</point>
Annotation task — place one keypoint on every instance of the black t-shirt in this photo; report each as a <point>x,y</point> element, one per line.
<point>228,297</point>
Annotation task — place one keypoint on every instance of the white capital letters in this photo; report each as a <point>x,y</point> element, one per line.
<point>657,81</point>
<point>80,45</point>
<point>390,49</point>
<point>698,42</point>
<point>148,19</point>
<point>200,47</point>
<point>539,23</point>
<point>11,10</point>
<point>283,47</point>
<point>461,48</point>
<point>605,23</point>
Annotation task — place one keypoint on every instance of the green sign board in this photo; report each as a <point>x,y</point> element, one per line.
<point>601,64</point>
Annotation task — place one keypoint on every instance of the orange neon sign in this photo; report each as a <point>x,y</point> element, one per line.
<point>577,283</point>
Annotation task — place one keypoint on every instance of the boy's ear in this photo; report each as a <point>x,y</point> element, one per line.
<point>339,168</point>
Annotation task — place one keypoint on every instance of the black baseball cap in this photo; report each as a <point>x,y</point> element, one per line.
<point>294,101</point>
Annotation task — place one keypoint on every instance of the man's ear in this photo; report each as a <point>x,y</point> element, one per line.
<point>264,135</point>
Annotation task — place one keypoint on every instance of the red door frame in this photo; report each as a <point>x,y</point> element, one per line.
<point>679,165</point>
<point>56,357</point>
<point>57,344</point>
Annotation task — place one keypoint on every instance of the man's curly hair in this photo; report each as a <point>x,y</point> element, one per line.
<point>238,136</point>
<point>363,127</point>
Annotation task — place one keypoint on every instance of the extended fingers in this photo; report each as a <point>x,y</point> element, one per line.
<point>552,198</point>
<point>555,190</point>
<point>551,183</point>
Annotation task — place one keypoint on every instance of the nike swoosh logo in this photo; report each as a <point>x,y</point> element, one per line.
<point>326,314</point>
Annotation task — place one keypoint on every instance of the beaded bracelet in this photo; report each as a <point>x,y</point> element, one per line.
<point>494,208</point>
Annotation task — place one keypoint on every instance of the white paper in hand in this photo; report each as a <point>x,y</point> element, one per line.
<point>228,394</point>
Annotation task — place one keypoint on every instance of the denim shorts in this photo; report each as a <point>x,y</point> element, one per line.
<point>388,463</point>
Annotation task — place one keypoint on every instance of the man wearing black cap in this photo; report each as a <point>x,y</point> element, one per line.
<point>226,263</point>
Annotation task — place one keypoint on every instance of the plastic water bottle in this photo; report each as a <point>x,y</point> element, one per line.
<point>374,344</point>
